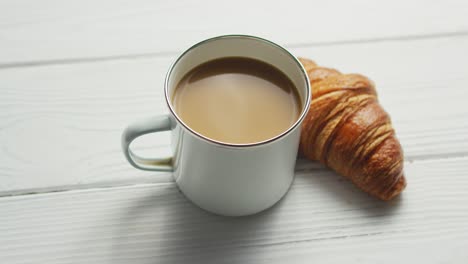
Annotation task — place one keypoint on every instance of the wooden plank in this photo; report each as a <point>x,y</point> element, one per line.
<point>60,125</point>
<point>32,31</point>
<point>323,219</point>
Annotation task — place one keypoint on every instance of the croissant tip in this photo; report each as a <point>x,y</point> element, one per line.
<point>396,189</point>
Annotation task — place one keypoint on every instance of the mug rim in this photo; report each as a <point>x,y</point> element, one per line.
<point>304,111</point>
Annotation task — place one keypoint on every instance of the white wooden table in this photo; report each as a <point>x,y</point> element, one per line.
<point>74,73</point>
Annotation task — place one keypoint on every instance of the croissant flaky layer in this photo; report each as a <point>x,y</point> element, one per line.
<point>347,130</point>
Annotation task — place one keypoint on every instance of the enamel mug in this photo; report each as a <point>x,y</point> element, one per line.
<point>220,177</point>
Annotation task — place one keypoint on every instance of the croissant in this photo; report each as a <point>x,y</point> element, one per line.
<point>347,130</point>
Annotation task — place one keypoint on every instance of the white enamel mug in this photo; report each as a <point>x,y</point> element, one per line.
<point>220,177</point>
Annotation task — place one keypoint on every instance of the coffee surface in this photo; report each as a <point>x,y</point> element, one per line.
<point>237,100</point>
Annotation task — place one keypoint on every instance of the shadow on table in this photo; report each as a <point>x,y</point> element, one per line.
<point>167,228</point>
<point>342,193</point>
<point>164,227</point>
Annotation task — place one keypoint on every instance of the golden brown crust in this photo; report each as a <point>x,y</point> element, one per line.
<point>348,130</point>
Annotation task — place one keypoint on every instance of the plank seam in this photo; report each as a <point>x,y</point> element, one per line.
<point>149,55</point>
<point>108,186</point>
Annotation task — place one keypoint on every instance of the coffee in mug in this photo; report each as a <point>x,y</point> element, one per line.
<point>237,100</point>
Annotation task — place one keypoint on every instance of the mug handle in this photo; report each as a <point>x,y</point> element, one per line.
<point>149,125</point>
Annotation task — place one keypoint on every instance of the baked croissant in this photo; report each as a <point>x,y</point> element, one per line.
<point>347,130</point>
